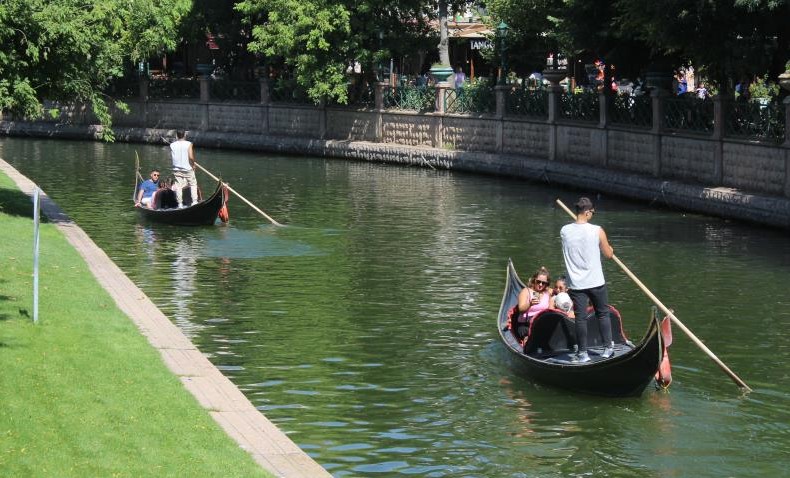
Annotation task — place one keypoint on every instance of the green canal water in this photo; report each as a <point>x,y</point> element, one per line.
<point>365,329</point>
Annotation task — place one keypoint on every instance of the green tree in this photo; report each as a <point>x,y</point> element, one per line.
<point>68,50</point>
<point>318,41</point>
<point>726,38</point>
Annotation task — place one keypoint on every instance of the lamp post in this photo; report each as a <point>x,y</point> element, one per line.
<point>501,33</point>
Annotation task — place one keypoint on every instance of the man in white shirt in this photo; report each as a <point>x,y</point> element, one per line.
<point>582,246</point>
<point>183,157</point>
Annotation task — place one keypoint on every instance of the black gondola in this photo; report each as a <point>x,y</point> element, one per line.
<point>546,354</point>
<point>204,213</point>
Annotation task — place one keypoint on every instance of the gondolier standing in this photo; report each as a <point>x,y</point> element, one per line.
<point>183,157</point>
<point>582,246</point>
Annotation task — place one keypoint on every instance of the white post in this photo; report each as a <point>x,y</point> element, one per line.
<point>36,221</point>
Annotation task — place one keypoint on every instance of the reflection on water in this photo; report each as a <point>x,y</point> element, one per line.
<point>364,329</point>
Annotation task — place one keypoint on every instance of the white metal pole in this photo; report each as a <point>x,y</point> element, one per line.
<point>36,217</point>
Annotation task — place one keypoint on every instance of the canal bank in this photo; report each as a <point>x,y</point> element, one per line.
<point>229,408</point>
<point>723,202</point>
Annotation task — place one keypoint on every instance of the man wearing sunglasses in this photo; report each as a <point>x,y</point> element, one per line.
<point>146,190</point>
<point>583,244</point>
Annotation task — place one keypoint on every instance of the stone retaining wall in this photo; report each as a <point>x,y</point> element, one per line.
<point>501,144</point>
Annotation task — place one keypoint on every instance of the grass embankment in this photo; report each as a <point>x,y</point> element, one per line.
<point>82,393</point>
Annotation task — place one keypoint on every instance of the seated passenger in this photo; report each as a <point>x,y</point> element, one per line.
<point>532,299</point>
<point>563,302</point>
<point>560,285</point>
<point>147,189</point>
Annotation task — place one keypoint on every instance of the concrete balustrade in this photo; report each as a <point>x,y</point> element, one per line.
<point>713,159</point>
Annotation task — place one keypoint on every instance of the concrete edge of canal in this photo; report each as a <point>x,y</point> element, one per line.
<point>715,201</point>
<point>235,414</point>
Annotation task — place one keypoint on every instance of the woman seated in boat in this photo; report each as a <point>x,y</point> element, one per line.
<point>532,299</point>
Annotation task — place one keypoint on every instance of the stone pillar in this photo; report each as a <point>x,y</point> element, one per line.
<point>718,145</point>
<point>604,100</point>
<point>501,103</point>
<point>143,89</point>
<point>786,104</point>
<point>379,109</point>
<point>265,102</point>
<point>657,96</point>
<point>205,96</point>
<point>144,101</point>
<point>438,136</point>
<point>787,146</point>
<point>554,114</point>
<point>322,118</point>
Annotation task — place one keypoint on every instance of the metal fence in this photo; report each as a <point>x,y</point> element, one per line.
<point>126,87</point>
<point>580,106</point>
<point>688,113</point>
<point>755,121</point>
<point>527,102</point>
<point>636,111</point>
<point>185,88</point>
<point>226,90</point>
<point>472,99</point>
<point>411,98</point>
<point>288,91</point>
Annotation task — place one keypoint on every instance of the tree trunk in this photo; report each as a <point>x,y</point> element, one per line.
<point>444,47</point>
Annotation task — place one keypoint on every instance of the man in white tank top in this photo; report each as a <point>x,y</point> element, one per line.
<point>582,246</point>
<point>183,157</point>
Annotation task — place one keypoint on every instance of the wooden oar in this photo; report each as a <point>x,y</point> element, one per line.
<point>669,314</point>
<point>137,177</point>
<point>240,196</point>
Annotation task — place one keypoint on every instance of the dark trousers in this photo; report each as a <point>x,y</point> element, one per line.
<point>600,301</point>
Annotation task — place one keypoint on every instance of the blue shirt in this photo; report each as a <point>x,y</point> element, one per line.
<point>149,188</point>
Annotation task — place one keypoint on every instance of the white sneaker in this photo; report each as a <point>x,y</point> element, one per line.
<point>608,351</point>
<point>581,357</point>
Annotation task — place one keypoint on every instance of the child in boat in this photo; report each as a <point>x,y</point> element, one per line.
<point>563,302</point>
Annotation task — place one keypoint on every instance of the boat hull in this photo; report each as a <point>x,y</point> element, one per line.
<point>626,374</point>
<point>203,213</point>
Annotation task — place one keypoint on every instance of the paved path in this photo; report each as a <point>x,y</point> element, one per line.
<point>270,447</point>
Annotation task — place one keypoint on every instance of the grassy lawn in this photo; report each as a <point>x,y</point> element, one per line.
<point>82,393</point>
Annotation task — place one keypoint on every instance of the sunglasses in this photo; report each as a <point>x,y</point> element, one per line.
<point>541,282</point>
<point>154,175</point>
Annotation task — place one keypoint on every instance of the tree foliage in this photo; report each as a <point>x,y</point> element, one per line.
<point>68,50</point>
<point>725,38</point>
<point>318,41</point>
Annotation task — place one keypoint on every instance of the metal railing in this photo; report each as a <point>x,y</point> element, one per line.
<point>287,91</point>
<point>527,102</point>
<point>410,98</point>
<point>755,121</point>
<point>185,88</point>
<point>126,87</point>
<point>472,99</point>
<point>630,110</point>
<point>247,91</point>
<point>688,113</point>
<point>580,106</point>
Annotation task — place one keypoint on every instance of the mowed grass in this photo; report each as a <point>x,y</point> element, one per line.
<point>82,393</point>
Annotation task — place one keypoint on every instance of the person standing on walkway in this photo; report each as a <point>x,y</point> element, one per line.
<point>183,156</point>
<point>583,244</point>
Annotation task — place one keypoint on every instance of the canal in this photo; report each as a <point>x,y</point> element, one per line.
<point>365,329</point>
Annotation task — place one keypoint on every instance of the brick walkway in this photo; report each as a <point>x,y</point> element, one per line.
<point>270,447</point>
